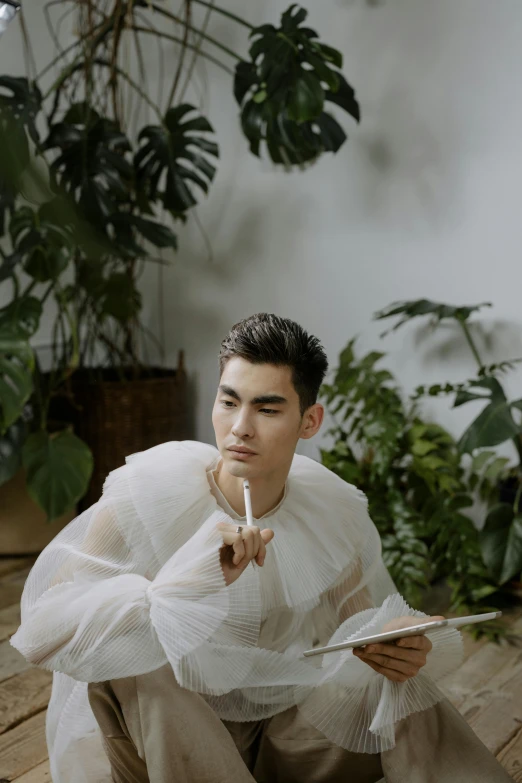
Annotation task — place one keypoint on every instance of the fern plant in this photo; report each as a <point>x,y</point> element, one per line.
<point>417,488</point>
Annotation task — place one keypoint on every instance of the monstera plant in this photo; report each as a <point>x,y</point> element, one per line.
<point>89,193</point>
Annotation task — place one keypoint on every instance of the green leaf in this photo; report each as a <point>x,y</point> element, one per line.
<point>157,234</point>
<point>421,307</point>
<point>175,151</point>
<point>90,162</point>
<point>23,314</point>
<point>480,460</point>
<point>11,449</point>
<point>422,447</point>
<point>324,73</point>
<point>344,96</point>
<point>120,299</point>
<point>16,381</point>
<point>24,101</point>
<point>332,55</point>
<point>501,542</point>
<point>493,426</point>
<point>59,467</point>
<point>44,264</point>
<point>307,98</point>
<point>464,396</point>
<point>495,469</point>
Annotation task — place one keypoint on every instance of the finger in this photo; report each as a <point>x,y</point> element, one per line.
<point>267,535</point>
<point>389,673</point>
<point>261,554</point>
<point>239,549</point>
<point>249,540</point>
<point>256,540</point>
<point>415,643</point>
<point>393,664</point>
<point>416,657</point>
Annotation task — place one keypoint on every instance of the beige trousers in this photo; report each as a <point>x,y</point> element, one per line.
<point>156,732</point>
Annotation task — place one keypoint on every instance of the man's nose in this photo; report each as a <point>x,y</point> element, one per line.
<point>243,424</point>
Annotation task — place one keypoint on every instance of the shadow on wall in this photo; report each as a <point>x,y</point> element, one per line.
<point>496,340</point>
<point>404,171</point>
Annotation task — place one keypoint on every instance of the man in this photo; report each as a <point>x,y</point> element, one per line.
<point>175,631</point>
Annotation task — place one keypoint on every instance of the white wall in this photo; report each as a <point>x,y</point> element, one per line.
<point>422,201</point>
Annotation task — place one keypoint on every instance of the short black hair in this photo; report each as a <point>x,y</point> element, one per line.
<point>265,338</point>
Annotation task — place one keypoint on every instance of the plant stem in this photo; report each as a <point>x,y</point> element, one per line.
<point>108,64</point>
<point>193,29</point>
<point>228,14</point>
<point>66,51</point>
<point>471,344</point>
<point>207,56</point>
<point>517,498</point>
<point>516,440</point>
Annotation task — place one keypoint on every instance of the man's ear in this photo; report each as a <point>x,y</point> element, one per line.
<point>312,421</point>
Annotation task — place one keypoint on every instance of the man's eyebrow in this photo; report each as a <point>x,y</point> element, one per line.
<point>272,399</point>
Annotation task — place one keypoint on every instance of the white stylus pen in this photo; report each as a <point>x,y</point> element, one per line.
<point>248,506</point>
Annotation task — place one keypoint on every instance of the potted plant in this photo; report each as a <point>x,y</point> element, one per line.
<point>495,478</point>
<point>417,488</point>
<point>109,201</point>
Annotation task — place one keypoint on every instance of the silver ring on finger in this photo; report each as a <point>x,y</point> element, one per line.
<point>239,529</point>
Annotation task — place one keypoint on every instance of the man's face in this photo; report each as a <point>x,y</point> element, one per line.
<point>270,427</point>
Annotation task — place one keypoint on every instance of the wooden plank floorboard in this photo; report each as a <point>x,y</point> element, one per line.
<point>9,621</point>
<point>511,757</point>
<point>11,587</point>
<point>23,696</point>
<point>39,774</point>
<point>23,748</point>
<point>10,564</point>
<point>11,661</point>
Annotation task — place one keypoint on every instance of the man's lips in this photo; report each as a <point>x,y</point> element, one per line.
<point>238,450</point>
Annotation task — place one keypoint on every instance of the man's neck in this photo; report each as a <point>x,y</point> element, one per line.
<point>265,495</point>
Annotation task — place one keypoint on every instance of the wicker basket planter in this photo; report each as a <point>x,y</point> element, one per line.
<point>117,418</point>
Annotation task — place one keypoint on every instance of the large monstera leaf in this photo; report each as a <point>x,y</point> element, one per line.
<point>44,245</point>
<point>495,424</point>
<point>91,163</point>
<point>20,102</point>
<point>19,320</point>
<point>23,100</point>
<point>93,166</point>
<point>58,469</point>
<point>172,159</point>
<point>283,90</point>
<point>16,367</point>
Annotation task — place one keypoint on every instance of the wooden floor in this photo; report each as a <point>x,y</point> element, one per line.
<point>487,690</point>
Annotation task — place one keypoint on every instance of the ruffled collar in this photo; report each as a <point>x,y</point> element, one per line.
<point>321,525</point>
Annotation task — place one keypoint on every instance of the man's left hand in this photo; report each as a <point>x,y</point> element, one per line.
<point>402,658</point>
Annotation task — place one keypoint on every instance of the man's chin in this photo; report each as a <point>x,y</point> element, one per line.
<point>237,467</point>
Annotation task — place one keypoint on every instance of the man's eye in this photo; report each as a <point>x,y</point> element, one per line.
<point>268,410</point>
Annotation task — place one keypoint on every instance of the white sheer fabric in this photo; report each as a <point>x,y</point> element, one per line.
<point>135,582</point>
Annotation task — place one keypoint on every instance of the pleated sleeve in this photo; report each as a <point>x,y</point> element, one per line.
<point>370,704</point>
<point>90,610</point>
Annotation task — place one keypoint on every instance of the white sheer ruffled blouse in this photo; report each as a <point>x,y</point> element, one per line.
<point>135,582</point>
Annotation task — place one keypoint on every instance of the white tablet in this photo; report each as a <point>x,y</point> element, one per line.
<point>413,630</point>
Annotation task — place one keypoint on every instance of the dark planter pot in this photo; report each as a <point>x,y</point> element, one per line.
<point>117,417</point>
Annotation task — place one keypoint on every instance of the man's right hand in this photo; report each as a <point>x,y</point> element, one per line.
<point>240,548</point>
